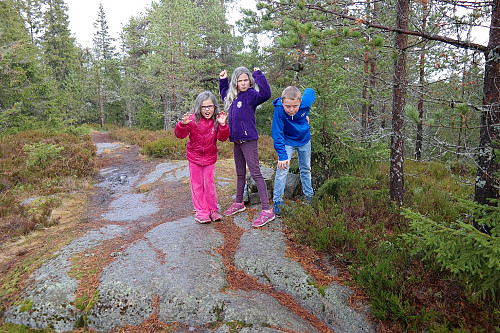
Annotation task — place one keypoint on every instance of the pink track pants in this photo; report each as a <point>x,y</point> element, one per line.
<point>203,189</point>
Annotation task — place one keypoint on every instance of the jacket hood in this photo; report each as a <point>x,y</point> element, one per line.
<point>277,102</point>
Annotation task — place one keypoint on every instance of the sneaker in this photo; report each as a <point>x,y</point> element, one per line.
<point>264,217</point>
<point>235,208</point>
<point>201,219</point>
<point>277,208</point>
<point>214,216</point>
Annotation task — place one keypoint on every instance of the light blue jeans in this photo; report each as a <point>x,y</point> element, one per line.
<point>304,155</point>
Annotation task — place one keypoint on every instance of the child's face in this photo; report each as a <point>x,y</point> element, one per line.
<point>207,108</point>
<point>243,82</point>
<point>291,106</point>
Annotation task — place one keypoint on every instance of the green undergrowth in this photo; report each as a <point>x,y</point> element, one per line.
<point>13,328</point>
<point>417,275</point>
<point>164,144</point>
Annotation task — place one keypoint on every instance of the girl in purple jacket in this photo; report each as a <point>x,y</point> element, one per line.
<point>205,125</point>
<point>240,101</point>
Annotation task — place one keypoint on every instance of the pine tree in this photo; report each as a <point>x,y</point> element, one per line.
<point>32,13</point>
<point>106,69</point>
<point>63,60</point>
<point>59,50</point>
<point>185,42</point>
<point>22,82</point>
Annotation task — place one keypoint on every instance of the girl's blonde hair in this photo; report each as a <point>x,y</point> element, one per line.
<point>203,96</point>
<point>233,85</point>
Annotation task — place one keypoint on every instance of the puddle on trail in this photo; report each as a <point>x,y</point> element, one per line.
<point>113,179</point>
<point>101,147</point>
<point>170,171</point>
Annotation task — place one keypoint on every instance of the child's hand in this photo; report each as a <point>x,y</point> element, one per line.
<point>223,74</point>
<point>221,118</point>
<point>283,165</point>
<point>185,118</point>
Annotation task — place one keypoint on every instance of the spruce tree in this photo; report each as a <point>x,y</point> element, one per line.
<point>107,75</point>
<point>22,83</point>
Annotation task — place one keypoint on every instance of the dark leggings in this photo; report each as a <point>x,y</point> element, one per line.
<point>247,153</point>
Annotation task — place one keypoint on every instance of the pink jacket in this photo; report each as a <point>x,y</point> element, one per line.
<point>201,147</point>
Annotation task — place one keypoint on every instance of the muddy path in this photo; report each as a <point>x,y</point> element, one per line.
<point>142,264</point>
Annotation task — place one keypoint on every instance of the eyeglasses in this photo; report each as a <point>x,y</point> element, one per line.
<point>208,107</point>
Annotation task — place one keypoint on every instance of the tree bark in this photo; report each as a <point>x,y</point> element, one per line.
<point>364,107</point>
<point>420,105</point>
<point>487,182</point>
<point>398,105</point>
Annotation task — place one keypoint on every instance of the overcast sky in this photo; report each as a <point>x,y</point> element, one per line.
<point>83,14</point>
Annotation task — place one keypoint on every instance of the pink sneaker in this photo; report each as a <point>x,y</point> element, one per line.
<point>264,217</point>
<point>202,219</point>
<point>235,208</point>
<point>214,216</point>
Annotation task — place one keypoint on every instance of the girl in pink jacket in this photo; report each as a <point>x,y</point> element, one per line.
<point>205,125</point>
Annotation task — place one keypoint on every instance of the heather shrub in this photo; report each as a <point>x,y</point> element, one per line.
<point>164,144</point>
<point>37,164</point>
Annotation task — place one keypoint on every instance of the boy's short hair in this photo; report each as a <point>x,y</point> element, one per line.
<point>290,92</point>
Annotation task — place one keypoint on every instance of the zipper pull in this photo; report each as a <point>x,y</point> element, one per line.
<point>246,133</point>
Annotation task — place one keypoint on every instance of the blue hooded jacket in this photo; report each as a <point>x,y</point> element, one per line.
<point>291,130</point>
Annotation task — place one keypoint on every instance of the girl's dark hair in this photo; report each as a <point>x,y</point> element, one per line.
<point>203,96</point>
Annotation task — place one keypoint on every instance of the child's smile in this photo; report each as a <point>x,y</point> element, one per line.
<point>207,108</point>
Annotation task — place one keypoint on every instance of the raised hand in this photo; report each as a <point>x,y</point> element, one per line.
<point>221,118</point>
<point>223,74</point>
<point>185,118</point>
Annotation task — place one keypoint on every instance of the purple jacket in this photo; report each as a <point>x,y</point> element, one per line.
<point>241,117</point>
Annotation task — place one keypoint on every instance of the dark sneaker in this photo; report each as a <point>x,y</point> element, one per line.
<point>277,208</point>
<point>235,208</point>
<point>214,216</point>
<point>265,217</point>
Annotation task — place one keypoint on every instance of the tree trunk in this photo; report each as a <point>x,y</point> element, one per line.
<point>487,182</point>
<point>398,106</point>
<point>364,107</point>
<point>167,124</point>
<point>420,105</point>
<point>99,98</point>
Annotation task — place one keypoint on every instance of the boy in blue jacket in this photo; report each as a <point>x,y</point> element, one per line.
<point>291,131</point>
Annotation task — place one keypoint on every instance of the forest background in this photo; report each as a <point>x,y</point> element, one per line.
<point>405,127</point>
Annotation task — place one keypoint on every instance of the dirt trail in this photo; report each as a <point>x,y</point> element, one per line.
<point>144,265</point>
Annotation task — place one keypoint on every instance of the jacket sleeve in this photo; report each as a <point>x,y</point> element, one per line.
<point>278,134</point>
<point>264,92</point>
<point>223,88</point>
<point>223,133</point>
<point>181,130</point>
<point>308,98</point>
